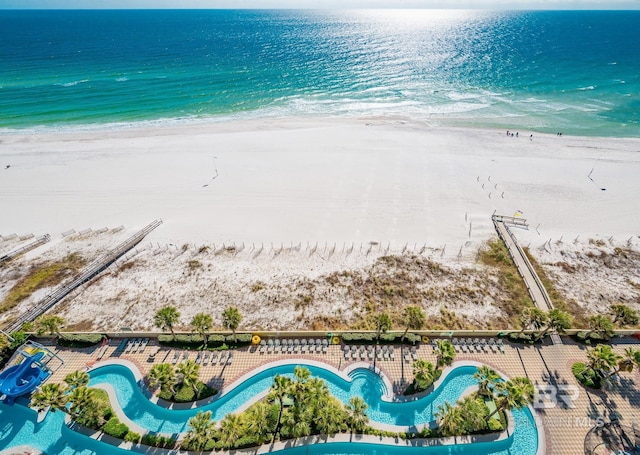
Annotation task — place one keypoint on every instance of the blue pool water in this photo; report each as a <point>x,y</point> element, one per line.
<point>52,436</point>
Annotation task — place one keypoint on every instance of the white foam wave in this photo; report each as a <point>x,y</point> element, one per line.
<point>122,79</point>
<point>72,83</point>
<point>590,87</point>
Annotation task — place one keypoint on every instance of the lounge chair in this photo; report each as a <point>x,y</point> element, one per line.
<point>103,349</point>
<point>385,353</point>
<point>223,358</point>
<point>501,346</point>
<point>414,353</point>
<point>318,345</point>
<point>269,345</point>
<point>407,354</point>
<point>363,353</point>
<point>230,358</point>
<point>325,346</point>
<point>199,357</point>
<point>290,349</point>
<point>176,356</point>
<point>263,346</point>
<point>205,358</point>
<point>122,344</point>
<point>214,358</point>
<point>391,353</point>
<point>378,353</point>
<point>312,345</point>
<point>303,345</point>
<point>144,344</point>
<point>129,346</point>
<point>296,345</point>
<point>185,355</point>
<point>276,346</point>
<point>456,344</point>
<point>347,353</point>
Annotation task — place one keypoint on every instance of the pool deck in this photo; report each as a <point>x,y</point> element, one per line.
<point>566,416</point>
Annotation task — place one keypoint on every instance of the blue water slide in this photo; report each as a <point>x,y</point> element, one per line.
<point>23,378</point>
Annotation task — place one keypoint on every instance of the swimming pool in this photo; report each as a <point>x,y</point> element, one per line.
<point>52,436</point>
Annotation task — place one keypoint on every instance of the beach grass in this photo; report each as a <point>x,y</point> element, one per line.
<point>559,301</point>
<point>516,297</point>
<point>41,276</point>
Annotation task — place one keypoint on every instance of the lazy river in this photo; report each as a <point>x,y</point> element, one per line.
<point>19,425</point>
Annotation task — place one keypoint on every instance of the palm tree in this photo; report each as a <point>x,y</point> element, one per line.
<point>624,315</point>
<point>231,429</point>
<point>628,362</point>
<point>487,379</point>
<point>601,359</point>
<point>601,325</point>
<point>231,319</point>
<point>77,379</point>
<point>383,324</point>
<point>166,317</point>
<point>450,419</point>
<point>357,414</point>
<point>50,395</point>
<point>50,324</point>
<point>534,318</point>
<point>424,374</point>
<point>332,418</point>
<point>414,319</point>
<point>474,412</point>
<point>163,376</point>
<point>79,399</point>
<point>260,421</point>
<point>515,393</point>
<point>557,321</point>
<point>189,374</point>
<point>445,352</point>
<point>281,388</point>
<point>201,429</point>
<point>202,323</point>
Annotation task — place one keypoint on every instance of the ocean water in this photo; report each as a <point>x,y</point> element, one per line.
<point>576,72</point>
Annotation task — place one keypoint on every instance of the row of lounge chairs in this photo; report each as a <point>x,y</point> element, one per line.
<point>205,357</point>
<point>370,352</point>
<point>294,346</point>
<point>469,345</point>
<point>133,346</point>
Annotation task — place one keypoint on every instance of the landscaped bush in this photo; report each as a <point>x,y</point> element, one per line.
<point>158,441</point>
<point>358,337</point>
<point>186,394</point>
<point>586,376</point>
<point>132,437</point>
<point>80,340</point>
<point>241,339</point>
<point>522,337</point>
<point>115,428</point>
<point>193,341</point>
<point>494,424</point>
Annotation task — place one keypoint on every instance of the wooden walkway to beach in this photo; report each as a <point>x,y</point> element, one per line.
<point>537,291</point>
<point>23,249</point>
<point>90,272</point>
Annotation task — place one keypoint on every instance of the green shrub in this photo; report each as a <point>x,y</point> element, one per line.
<point>80,340</point>
<point>154,440</point>
<point>494,424</point>
<point>358,337</point>
<point>19,338</point>
<point>115,428</point>
<point>186,394</point>
<point>132,437</point>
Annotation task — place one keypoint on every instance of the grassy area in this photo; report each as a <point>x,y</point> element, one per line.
<point>516,298</point>
<point>186,394</point>
<point>38,277</point>
<point>558,300</point>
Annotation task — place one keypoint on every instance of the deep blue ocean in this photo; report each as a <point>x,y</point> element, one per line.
<point>576,72</point>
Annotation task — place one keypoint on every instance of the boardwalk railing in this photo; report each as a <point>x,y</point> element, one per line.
<point>17,252</point>
<point>93,269</point>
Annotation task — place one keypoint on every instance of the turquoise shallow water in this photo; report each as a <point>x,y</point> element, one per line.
<point>576,72</point>
<point>52,436</point>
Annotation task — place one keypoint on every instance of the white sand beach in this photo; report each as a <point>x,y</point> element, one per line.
<point>297,182</point>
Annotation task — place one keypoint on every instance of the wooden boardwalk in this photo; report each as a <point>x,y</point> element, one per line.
<point>90,272</point>
<point>23,249</point>
<point>537,291</point>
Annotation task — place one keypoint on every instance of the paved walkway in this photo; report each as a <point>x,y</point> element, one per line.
<point>565,409</point>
